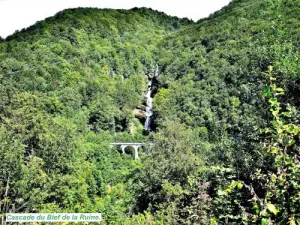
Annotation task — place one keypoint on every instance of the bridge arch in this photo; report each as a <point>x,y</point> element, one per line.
<point>123,145</point>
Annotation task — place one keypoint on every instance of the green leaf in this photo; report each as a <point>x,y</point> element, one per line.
<point>270,68</point>
<point>291,142</point>
<point>275,113</point>
<point>279,89</point>
<point>273,150</point>
<point>272,208</point>
<point>273,101</point>
<point>287,114</point>
<point>292,221</point>
<point>220,192</point>
<point>264,222</point>
<point>267,91</point>
<point>239,185</point>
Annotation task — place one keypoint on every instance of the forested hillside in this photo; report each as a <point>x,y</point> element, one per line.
<point>224,146</point>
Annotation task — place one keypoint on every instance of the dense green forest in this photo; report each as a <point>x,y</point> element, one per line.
<point>224,145</point>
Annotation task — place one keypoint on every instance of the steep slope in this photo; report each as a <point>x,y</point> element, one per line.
<point>74,53</point>
<point>211,72</point>
<point>68,86</point>
<point>212,85</point>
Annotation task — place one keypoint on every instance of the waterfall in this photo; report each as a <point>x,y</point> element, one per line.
<point>156,72</point>
<point>147,125</point>
<point>148,107</point>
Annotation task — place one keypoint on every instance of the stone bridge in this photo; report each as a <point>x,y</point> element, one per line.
<point>123,145</point>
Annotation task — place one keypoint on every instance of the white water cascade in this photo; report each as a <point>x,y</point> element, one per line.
<point>147,125</point>
<point>148,107</point>
<point>156,71</point>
